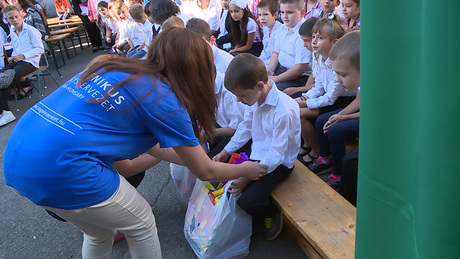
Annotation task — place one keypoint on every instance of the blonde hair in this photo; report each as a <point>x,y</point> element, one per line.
<point>172,21</point>
<point>330,26</point>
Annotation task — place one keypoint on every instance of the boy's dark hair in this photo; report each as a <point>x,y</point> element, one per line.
<point>201,27</point>
<point>103,4</point>
<point>306,29</point>
<point>347,48</point>
<point>136,11</point>
<point>272,5</point>
<point>244,72</point>
<point>147,8</point>
<point>299,3</point>
<point>160,10</point>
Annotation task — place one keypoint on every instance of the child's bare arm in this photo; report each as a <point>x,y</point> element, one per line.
<point>292,73</point>
<point>141,46</point>
<point>248,45</point>
<point>226,131</point>
<point>308,85</point>
<point>273,64</point>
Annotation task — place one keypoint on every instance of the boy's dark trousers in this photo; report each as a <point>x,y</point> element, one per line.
<point>255,199</point>
<point>296,82</point>
<point>349,180</point>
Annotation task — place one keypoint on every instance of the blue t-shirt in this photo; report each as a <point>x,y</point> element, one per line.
<point>61,151</point>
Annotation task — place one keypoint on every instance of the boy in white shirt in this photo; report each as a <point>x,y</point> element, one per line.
<point>129,32</point>
<point>27,48</point>
<point>271,120</point>
<point>268,15</point>
<point>229,112</point>
<point>139,16</point>
<point>290,63</point>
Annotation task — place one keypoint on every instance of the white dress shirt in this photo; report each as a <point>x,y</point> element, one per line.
<point>274,127</point>
<point>229,112</point>
<point>28,43</point>
<point>221,59</point>
<point>289,46</point>
<point>269,42</point>
<point>326,89</point>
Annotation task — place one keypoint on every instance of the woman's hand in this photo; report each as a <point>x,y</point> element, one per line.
<point>254,170</point>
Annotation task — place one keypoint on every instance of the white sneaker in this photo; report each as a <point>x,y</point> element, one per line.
<point>7,117</point>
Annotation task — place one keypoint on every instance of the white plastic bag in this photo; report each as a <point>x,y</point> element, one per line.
<point>219,231</point>
<point>184,181</point>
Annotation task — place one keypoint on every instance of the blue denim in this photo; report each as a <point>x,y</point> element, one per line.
<point>334,142</point>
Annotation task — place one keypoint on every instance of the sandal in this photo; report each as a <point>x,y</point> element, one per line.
<point>306,163</point>
<point>306,149</point>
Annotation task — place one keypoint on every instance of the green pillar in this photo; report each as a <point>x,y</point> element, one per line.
<point>409,173</point>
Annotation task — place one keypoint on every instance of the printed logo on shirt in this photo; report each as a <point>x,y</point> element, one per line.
<point>99,89</point>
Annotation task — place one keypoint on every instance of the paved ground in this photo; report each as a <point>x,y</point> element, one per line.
<point>28,232</point>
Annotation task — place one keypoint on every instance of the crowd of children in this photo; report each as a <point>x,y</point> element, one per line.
<point>287,81</point>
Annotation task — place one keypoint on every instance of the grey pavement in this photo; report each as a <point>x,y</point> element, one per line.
<point>27,231</point>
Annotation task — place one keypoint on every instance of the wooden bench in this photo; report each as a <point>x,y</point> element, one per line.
<point>66,24</point>
<point>318,218</point>
<point>55,41</point>
<point>55,20</point>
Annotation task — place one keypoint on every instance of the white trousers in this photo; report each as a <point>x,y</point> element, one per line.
<point>126,211</point>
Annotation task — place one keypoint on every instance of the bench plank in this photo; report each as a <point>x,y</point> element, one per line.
<point>321,215</point>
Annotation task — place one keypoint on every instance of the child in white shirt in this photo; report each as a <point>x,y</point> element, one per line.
<point>27,48</point>
<point>268,15</point>
<point>130,35</point>
<point>109,23</point>
<point>229,112</point>
<point>290,63</point>
<point>327,94</point>
<point>271,120</point>
<point>139,16</point>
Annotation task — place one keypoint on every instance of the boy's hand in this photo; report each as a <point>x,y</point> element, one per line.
<point>238,186</point>
<point>221,157</point>
<point>332,120</point>
<point>255,170</point>
<point>16,58</point>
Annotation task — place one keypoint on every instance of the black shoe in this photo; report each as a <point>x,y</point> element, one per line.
<point>24,94</point>
<point>94,49</point>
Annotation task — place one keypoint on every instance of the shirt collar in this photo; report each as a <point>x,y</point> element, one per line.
<point>297,27</point>
<point>25,27</point>
<point>272,96</point>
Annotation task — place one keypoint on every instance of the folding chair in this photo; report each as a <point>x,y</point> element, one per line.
<point>41,71</point>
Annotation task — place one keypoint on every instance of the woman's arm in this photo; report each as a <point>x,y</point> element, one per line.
<point>130,167</point>
<point>204,168</point>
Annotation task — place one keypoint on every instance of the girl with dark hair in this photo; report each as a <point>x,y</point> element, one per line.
<point>114,111</point>
<point>246,36</point>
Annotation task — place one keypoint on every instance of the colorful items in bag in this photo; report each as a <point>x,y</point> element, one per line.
<point>238,158</point>
<point>214,193</point>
